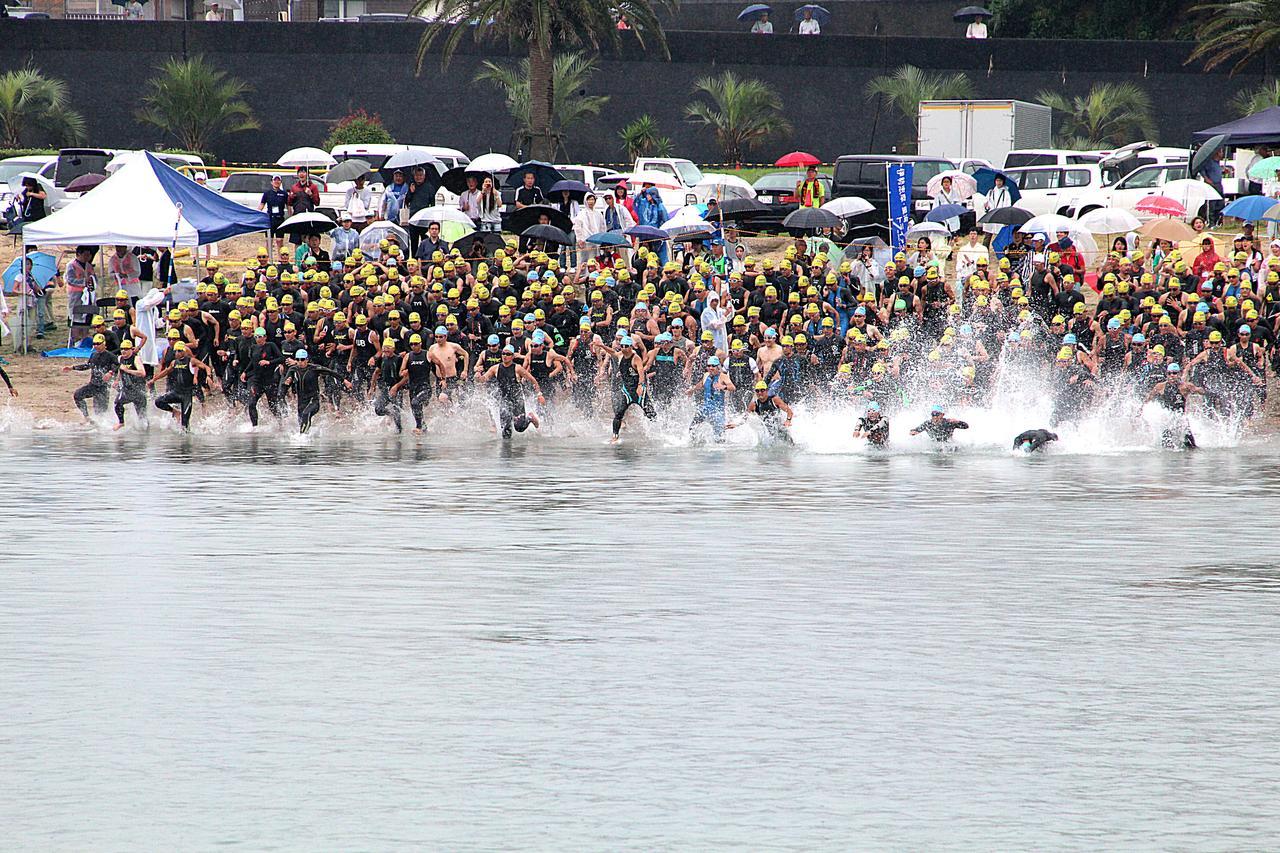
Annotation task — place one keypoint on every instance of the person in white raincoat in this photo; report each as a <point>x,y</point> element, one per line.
<point>147,318</point>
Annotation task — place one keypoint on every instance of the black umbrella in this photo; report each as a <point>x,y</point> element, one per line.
<point>969,14</point>
<point>482,244</point>
<point>1006,216</point>
<point>527,216</point>
<point>455,180</point>
<point>306,224</point>
<point>348,170</point>
<point>547,234</point>
<point>1205,152</point>
<point>810,219</point>
<point>737,208</point>
<point>544,175</point>
<point>577,190</point>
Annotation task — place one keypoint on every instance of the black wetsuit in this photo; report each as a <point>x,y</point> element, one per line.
<point>420,370</point>
<point>877,431</point>
<point>305,380</point>
<point>1172,398</point>
<point>386,376</point>
<point>100,365</point>
<point>771,416</point>
<point>133,389</point>
<point>510,401</point>
<point>628,394</point>
<point>261,378</point>
<point>940,430</point>
<point>182,387</point>
<point>1037,438</point>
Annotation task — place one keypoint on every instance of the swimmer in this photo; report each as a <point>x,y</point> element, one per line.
<point>939,427</point>
<point>767,407</point>
<point>509,376</point>
<point>1033,440</point>
<point>873,426</point>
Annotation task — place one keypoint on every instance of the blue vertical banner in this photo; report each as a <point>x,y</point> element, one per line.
<point>899,188</point>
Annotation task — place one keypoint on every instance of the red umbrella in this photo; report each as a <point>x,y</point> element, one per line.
<point>1161,205</point>
<point>798,158</point>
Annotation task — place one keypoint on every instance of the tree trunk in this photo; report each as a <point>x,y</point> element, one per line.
<point>543,140</point>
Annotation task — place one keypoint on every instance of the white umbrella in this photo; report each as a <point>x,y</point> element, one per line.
<point>658,179</point>
<point>687,220</point>
<point>375,232</point>
<point>713,185</point>
<point>848,206</point>
<point>1191,194</point>
<point>427,215</point>
<point>414,157</point>
<point>1049,224</point>
<point>962,185</point>
<point>312,158</point>
<point>934,232</point>
<point>492,163</point>
<point>1109,220</point>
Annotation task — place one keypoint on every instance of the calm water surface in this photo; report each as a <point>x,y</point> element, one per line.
<point>271,644</point>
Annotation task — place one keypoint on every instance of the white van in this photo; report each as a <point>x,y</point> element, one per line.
<point>376,154</point>
<point>1054,189</point>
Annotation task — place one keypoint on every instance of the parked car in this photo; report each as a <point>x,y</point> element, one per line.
<point>969,165</point>
<point>778,191</point>
<point>39,164</point>
<point>1137,185</point>
<point>246,188</point>
<point>74,162</point>
<point>866,176</point>
<point>1054,189</point>
<point>589,175</point>
<point>1048,157</point>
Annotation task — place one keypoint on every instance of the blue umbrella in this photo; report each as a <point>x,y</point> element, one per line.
<point>647,233</point>
<point>1250,208</point>
<point>545,175</point>
<point>986,180</point>
<point>43,266</point>
<point>821,15</point>
<point>607,238</point>
<point>753,11</point>
<point>943,212</point>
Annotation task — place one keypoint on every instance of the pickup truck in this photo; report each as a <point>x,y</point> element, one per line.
<point>246,188</point>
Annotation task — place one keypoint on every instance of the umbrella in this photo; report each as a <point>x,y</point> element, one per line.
<point>493,163</point>
<point>607,238</point>
<point>544,175</point>
<point>1164,206</point>
<point>1109,220</point>
<point>821,15</point>
<point>440,214</point>
<point>375,232</point>
<point>455,180</point>
<point>84,183</point>
<point>985,178</point>
<point>348,170</point>
<point>1250,208</point>
<point>687,220</point>
<point>658,179</point>
<point>738,208</point>
<point>753,11</point>
<point>1049,223</point>
<point>646,233</point>
<point>1006,216</point>
<point>932,231</point>
<point>810,219</point>
<point>799,159</point>
<point>43,267</point>
<point>1265,169</point>
<point>526,216</point>
<point>312,158</point>
<point>963,184</point>
<point>1204,153</point>
<point>943,212</point>
<point>412,157</point>
<point>489,242</point>
<point>454,231</point>
<point>873,242</point>
<point>547,234</point>
<point>1168,229</point>
<point>848,206</point>
<point>306,224</point>
<point>969,14</point>
<point>577,189</point>
<point>724,186</point>
<point>1187,190</point>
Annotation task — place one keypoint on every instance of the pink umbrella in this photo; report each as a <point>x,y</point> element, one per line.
<point>1160,205</point>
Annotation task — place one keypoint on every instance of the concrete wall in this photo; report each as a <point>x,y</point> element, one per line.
<point>307,75</point>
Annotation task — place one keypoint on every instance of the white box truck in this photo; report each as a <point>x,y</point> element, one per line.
<point>982,130</point>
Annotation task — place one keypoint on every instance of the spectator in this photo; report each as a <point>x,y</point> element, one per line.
<point>977,29</point>
<point>421,195</point>
<point>345,238</point>
<point>393,199</point>
<point>126,272</point>
<point>215,13</point>
<point>469,201</point>
<point>431,243</point>
<point>359,202</point>
<point>762,26</point>
<point>808,25</point>
<point>616,216</point>
<point>588,220</point>
<point>133,11</point>
<point>275,202</point>
<point>530,193</point>
<point>809,190</point>
<point>490,206</point>
<point>28,205</point>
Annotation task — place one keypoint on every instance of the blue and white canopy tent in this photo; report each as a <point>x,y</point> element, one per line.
<point>145,203</point>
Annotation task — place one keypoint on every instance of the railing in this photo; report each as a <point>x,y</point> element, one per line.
<point>94,16</point>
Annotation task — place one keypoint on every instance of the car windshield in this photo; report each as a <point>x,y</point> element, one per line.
<point>1142,179</point>
<point>782,181</point>
<point>247,182</point>
<point>926,170</point>
<point>689,173</point>
<point>9,171</point>
<point>573,174</point>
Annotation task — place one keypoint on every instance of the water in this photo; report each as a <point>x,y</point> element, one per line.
<point>359,642</point>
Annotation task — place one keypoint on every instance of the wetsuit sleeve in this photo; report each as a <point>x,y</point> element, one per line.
<point>959,425</point>
<point>4,376</point>
<point>1020,438</point>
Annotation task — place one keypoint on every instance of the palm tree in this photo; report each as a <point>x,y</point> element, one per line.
<point>1236,29</point>
<point>1256,100</point>
<point>1110,114</point>
<point>641,138</point>
<point>569,73</point>
<point>31,103</point>
<point>196,103</point>
<point>907,86</point>
<point>538,27</point>
<point>743,112</point>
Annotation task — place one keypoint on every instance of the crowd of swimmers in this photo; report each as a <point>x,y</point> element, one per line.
<point>626,330</point>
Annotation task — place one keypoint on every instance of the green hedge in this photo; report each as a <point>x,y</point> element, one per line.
<point>25,152</point>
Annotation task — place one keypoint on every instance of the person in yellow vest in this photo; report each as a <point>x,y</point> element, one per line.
<point>810,191</point>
